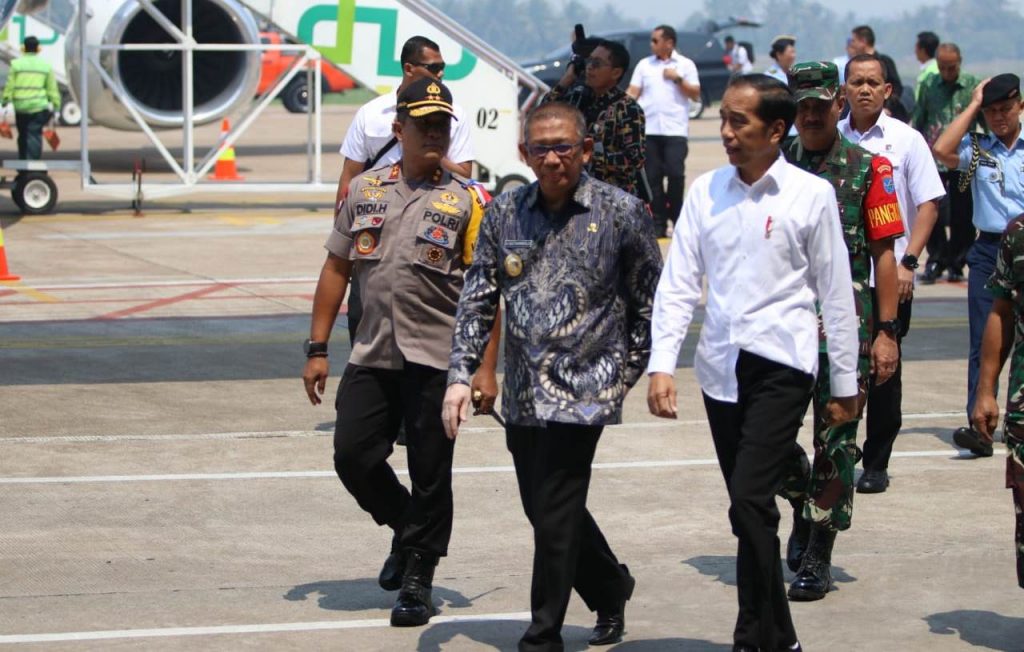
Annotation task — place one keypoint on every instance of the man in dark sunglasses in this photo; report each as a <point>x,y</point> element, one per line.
<point>614,119</point>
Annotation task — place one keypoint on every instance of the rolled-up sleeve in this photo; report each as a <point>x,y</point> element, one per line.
<point>339,242</point>
<point>963,152</point>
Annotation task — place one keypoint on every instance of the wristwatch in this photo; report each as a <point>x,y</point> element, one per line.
<point>890,326</point>
<point>314,349</point>
<point>909,261</point>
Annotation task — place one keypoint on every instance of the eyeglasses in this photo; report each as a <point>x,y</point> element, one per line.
<point>561,150</point>
<point>433,68</point>
<point>593,62</point>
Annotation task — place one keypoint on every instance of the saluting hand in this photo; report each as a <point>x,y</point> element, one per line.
<point>314,377</point>
<point>455,408</point>
<point>661,396</point>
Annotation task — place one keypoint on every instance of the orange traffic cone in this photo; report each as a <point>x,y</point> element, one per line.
<point>5,274</point>
<point>224,169</point>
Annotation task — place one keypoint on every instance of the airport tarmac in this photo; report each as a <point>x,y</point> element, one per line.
<point>165,484</point>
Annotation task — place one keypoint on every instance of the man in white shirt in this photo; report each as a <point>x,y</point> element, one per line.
<point>768,238</point>
<point>370,141</point>
<point>739,62</point>
<point>919,189</point>
<point>664,84</point>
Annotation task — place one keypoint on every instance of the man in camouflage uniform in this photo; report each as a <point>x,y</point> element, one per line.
<point>1006,325</point>
<point>822,494</point>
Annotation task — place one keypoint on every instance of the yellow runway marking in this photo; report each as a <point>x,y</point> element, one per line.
<point>248,220</point>
<point>41,297</point>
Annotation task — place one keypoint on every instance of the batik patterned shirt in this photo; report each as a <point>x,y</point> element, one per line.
<point>578,290</point>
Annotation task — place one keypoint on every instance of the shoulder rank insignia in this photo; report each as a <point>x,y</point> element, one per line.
<point>445,208</point>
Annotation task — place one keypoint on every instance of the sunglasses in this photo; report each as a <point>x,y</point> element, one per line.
<point>433,68</point>
<point>561,150</point>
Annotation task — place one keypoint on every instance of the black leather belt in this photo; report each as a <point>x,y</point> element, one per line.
<point>987,236</point>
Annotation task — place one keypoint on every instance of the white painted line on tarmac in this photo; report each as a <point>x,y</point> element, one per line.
<point>127,284</point>
<point>290,228</point>
<point>463,470</point>
<point>659,424</point>
<point>259,628</point>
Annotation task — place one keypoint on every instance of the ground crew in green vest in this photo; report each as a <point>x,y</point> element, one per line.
<point>822,493</point>
<point>32,89</point>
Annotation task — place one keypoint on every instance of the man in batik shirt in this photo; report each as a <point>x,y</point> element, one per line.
<point>576,261</point>
<point>1005,327</point>
<point>614,120</point>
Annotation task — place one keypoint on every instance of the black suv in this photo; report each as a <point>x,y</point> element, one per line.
<point>702,47</point>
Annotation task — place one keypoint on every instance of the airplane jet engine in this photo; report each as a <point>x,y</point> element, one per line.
<point>152,79</point>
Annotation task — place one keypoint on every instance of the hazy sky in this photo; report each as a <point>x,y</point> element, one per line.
<point>677,12</point>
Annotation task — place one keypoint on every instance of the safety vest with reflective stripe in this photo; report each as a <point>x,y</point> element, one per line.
<point>31,85</point>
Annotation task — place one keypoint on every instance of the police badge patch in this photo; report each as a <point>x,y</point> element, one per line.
<point>435,255</point>
<point>437,235</point>
<point>366,243</point>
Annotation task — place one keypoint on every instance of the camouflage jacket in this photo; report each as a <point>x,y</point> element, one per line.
<point>1007,282</point>
<point>868,210</point>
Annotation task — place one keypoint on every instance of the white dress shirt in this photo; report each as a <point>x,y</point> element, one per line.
<point>371,130</point>
<point>740,58</point>
<point>666,108</point>
<point>769,251</point>
<point>913,167</point>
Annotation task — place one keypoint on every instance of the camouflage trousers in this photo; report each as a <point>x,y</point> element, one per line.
<point>825,488</point>
<point>1015,482</point>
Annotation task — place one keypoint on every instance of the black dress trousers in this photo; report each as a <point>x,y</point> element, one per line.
<point>371,404</point>
<point>553,470</point>
<point>754,439</point>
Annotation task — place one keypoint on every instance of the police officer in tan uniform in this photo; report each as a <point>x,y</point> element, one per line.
<point>408,231</point>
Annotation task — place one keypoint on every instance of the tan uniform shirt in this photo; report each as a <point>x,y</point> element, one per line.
<point>410,245</point>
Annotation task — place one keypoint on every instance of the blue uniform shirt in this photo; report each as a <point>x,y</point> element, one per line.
<point>998,184</point>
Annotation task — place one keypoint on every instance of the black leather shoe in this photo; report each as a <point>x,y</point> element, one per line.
<point>971,439</point>
<point>797,544</point>
<point>415,604</point>
<point>873,482</point>
<point>390,578</point>
<point>737,647</point>
<point>612,624</point>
